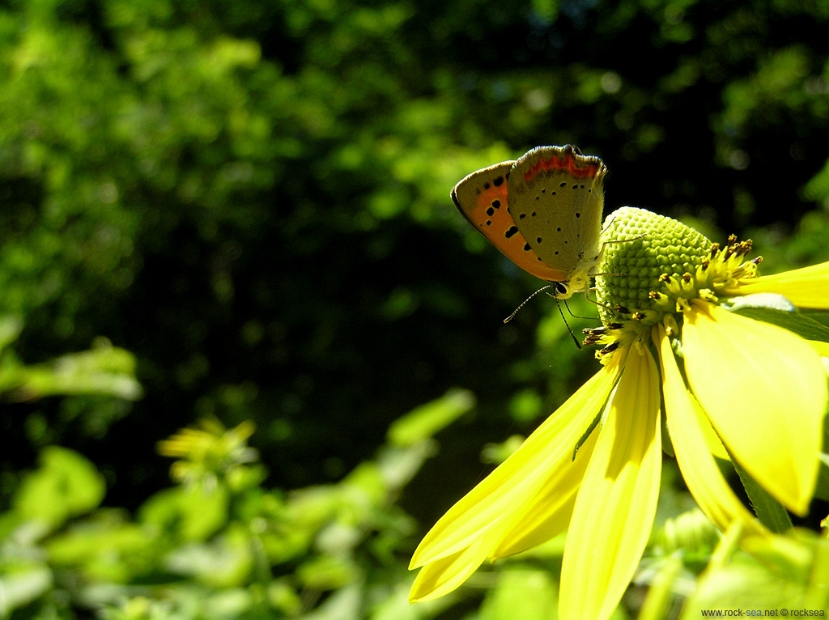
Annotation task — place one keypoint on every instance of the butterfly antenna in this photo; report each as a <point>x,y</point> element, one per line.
<point>560,311</point>
<point>525,302</point>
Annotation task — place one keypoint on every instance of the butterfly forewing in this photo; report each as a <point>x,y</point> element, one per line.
<point>483,199</point>
<point>556,200</point>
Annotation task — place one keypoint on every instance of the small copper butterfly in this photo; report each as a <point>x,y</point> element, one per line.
<point>543,211</point>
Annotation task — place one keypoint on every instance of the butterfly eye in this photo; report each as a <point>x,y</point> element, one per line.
<point>561,289</point>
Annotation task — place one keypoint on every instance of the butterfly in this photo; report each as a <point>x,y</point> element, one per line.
<point>543,211</point>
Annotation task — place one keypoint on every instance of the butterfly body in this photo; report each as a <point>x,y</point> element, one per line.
<point>543,211</point>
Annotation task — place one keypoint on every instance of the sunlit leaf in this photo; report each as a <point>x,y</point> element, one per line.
<point>65,485</point>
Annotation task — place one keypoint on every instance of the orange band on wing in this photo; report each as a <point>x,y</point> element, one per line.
<point>497,225</point>
<point>568,163</point>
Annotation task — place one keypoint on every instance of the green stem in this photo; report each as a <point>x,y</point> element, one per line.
<point>770,512</point>
<point>661,593</point>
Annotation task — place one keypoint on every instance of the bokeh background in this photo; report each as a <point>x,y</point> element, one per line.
<point>235,216</point>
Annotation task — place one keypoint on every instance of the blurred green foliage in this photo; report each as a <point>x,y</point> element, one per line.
<point>219,545</point>
<point>239,211</point>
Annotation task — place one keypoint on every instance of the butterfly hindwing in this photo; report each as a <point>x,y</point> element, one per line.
<point>556,201</point>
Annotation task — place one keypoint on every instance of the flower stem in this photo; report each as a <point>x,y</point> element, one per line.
<point>770,512</point>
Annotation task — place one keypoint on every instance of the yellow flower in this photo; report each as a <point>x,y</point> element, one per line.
<point>730,386</point>
<point>209,453</point>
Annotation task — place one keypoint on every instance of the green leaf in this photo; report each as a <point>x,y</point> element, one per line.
<point>822,486</point>
<point>10,328</point>
<point>20,588</point>
<point>191,514</point>
<point>105,548</point>
<point>768,509</point>
<point>327,572</point>
<point>104,369</point>
<point>426,420</point>
<point>524,593</point>
<point>777,574</point>
<point>66,485</point>
<point>222,563</point>
<point>344,603</point>
<point>799,324</point>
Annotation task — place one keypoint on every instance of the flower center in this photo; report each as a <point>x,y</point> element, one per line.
<point>651,268</point>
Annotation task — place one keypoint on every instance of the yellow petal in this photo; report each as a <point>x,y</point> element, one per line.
<point>616,503</point>
<point>712,440</point>
<point>548,515</point>
<point>805,288</point>
<point>442,576</point>
<point>494,503</point>
<point>699,469</point>
<point>821,347</point>
<point>764,390</point>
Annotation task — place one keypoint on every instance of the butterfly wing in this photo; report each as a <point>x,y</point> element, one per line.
<point>483,199</point>
<point>556,201</point>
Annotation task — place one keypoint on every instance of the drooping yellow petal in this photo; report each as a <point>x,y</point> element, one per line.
<point>700,471</point>
<point>805,288</point>
<point>442,576</point>
<point>821,347</point>
<point>712,440</point>
<point>494,502</point>
<point>764,390</point>
<point>616,503</point>
<point>548,515</point>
